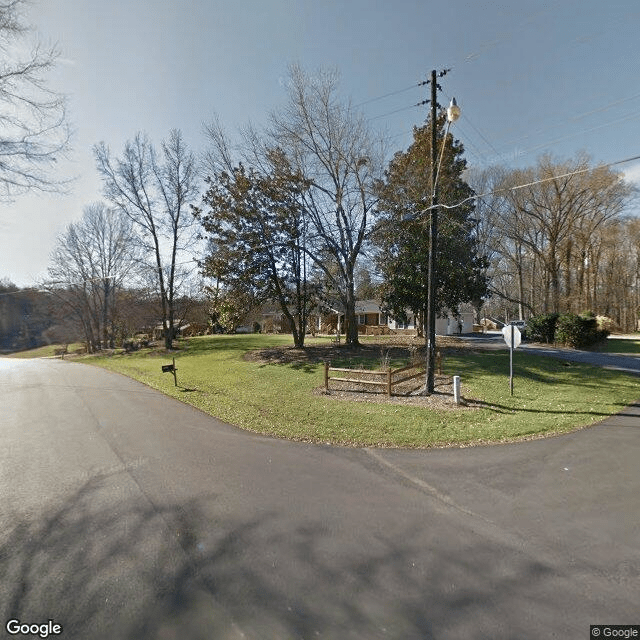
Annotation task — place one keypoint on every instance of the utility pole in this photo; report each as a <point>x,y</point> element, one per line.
<point>433,242</point>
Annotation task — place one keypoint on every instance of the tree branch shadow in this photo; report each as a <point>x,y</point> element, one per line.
<point>133,570</point>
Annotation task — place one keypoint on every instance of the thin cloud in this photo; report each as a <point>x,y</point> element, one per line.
<point>632,173</point>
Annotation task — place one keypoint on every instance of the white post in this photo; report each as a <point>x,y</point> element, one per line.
<point>456,389</point>
<point>511,360</point>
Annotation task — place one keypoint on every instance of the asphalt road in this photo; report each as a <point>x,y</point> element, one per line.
<point>125,514</point>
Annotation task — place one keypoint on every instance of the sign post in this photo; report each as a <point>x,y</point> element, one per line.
<point>513,338</point>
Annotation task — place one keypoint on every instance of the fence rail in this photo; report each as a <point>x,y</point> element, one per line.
<point>387,380</point>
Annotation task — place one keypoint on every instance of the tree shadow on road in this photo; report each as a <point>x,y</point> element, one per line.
<point>132,570</point>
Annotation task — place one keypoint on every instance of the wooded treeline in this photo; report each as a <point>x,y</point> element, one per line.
<point>559,237</point>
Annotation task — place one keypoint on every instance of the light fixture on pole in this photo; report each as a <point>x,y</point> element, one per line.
<point>453,111</point>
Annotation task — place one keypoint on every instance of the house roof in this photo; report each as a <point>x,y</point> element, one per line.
<point>367,306</point>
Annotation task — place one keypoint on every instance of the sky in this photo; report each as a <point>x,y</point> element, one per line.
<point>531,77</point>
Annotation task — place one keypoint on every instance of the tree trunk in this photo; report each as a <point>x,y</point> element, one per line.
<point>351,322</point>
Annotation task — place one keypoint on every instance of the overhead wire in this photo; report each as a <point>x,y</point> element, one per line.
<point>532,183</point>
<point>483,156</point>
<point>413,106</point>
<point>391,93</point>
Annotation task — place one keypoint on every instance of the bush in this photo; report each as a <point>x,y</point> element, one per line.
<point>542,328</point>
<point>579,331</point>
<point>131,345</point>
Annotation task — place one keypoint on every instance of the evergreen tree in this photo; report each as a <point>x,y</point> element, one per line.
<point>401,235</point>
<point>257,235</point>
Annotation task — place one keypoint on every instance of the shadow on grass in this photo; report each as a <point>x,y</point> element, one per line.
<point>506,409</point>
<point>232,342</point>
<point>537,368</point>
<point>631,411</point>
<point>312,357</point>
<point>128,569</point>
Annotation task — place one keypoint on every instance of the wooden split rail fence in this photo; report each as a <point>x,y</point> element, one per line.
<point>386,376</point>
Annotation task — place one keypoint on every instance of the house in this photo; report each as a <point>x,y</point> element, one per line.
<point>372,320</point>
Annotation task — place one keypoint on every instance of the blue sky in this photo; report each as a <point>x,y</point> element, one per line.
<point>531,77</point>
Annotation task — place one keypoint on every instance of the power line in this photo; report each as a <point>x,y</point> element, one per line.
<point>574,119</point>
<point>534,182</point>
<point>392,93</point>
<point>383,115</point>
<point>422,83</point>
<point>466,119</point>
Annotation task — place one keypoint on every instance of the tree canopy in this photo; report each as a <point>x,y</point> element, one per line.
<point>256,232</point>
<point>401,236</point>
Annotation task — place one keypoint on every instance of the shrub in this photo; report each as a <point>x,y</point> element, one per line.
<point>579,331</point>
<point>542,328</point>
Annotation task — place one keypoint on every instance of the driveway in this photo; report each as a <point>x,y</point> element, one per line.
<point>619,362</point>
<point>127,514</point>
<point>627,364</point>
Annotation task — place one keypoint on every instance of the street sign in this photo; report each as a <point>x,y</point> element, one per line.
<point>512,336</point>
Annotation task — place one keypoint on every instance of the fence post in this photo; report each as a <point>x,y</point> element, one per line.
<point>389,382</point>
<point>326,375</point>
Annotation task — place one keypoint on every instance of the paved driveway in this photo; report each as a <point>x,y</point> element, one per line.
<point>126,514</point>
<point>619,362</point>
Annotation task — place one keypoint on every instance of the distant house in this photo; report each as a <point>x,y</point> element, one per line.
<point>183,330</point>
<point>372,320</point>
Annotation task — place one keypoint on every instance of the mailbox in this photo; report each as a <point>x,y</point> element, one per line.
<point>171,368</point>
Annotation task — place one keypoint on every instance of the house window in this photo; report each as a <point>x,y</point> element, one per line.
<point>362,319</point>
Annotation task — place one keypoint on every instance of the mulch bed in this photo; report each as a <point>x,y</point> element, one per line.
<point>393,347</point>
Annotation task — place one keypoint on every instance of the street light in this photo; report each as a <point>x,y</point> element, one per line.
<point>453,113</point>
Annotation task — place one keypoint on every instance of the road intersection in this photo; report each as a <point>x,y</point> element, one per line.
<point>127,514</point>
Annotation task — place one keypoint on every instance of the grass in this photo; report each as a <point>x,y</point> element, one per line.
<point>277,399</point>
<point>46,352</point>
<point>618,345</point>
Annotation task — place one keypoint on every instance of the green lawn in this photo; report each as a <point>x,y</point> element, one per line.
<point>277,399</point>
<point>46,351</point>
<point>618,345</point>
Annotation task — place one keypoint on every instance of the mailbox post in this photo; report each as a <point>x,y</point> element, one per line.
<point>171,368</point>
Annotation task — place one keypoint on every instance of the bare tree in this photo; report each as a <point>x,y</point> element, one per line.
<point>33,122</point>
<point>329,144</point>
<point>155,193</point>
<point>552,214</point>
<point>490,208</point>
<point>91,261</point>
